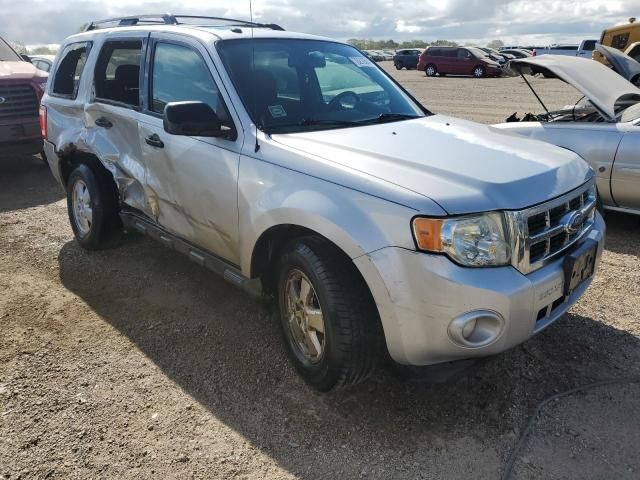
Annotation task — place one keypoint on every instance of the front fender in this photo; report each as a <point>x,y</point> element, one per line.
<point>358,223</point>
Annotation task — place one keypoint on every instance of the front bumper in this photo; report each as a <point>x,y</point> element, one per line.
<point>418,296</point>
<point>20,136</point>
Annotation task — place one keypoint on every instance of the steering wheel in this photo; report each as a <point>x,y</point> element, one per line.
<point>337,102</point>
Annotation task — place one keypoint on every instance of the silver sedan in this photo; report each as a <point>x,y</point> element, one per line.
<point>604,129</point>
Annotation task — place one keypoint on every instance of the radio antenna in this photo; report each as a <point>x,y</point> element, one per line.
<point>253,73</point>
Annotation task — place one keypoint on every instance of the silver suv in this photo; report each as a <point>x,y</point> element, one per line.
<point>292,165</point>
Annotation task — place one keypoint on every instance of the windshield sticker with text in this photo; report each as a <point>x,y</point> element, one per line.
<point>361,61</point>
<point>277,111</point>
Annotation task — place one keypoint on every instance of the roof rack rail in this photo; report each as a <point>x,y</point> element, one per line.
<point>169,19</point>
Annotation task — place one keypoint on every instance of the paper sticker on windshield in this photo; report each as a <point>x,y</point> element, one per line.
<point>361,61</point>
<point>277,111</point>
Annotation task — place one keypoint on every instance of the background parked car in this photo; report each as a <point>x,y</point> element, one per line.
<point>383,55</point>
<point>619,37</point>
<point>407,58</point>
<point>634,51</point>
<point>604,129</point>
<point>621,63</point>
<point>21,88</point>
<point>388,55</point>
<point>458,61</point>
<point>517,52</point>
<point>375,55</point>
<point>495,55</point>
<point>43,62</point>
<point>585,49</point>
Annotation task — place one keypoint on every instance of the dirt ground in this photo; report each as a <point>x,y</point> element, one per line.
<point>136,363</point>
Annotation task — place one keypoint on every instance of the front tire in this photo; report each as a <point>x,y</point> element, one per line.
<point>329,319</point>
<point>398,66</point>
<point>430,70</point>
<point>92,205</point>
<point>479,72</point>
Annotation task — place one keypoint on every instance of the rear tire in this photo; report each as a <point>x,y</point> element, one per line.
<point>398,66</point>
<point>92,204</point>
<point>430,70</point>
<point>329,320</point>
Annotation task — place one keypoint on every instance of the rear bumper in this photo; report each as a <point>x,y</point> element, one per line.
<point>54,161</point>
<point>420,298</point>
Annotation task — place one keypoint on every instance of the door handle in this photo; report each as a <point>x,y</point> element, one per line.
<point>103,122</point>
<point>154,141</point>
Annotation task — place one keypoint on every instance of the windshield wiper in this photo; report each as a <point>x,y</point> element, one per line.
<point>308,122</point>
<point>325,122</point>
<point>389,117</point>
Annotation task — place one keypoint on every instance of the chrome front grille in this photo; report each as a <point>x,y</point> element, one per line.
<point>18,100</point>
<point>543,231</point>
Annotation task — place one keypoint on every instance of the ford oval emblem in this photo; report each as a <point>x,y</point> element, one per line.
<point>2,100</point>
<point>574,222</point>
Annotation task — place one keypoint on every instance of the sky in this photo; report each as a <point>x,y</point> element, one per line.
<point>35,22</point>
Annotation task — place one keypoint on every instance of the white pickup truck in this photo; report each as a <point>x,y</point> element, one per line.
<point>585,49</point>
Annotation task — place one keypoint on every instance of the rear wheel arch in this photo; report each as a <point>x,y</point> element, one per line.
<point>70,160</point>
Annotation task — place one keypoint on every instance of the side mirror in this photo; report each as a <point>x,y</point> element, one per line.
<point>196,119</point>
<point>26,58</point>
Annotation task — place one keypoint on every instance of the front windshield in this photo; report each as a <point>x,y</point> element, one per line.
<point>7,54</point>
<point>299,85</point>
<point>478,53</point>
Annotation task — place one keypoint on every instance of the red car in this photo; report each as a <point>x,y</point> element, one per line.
<point>21,88</point>
<point>458,61</point>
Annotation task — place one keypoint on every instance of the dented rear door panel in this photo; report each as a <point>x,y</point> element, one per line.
<point>118,147</point>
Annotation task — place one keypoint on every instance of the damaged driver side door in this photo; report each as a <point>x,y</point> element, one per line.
<point>191,182</point>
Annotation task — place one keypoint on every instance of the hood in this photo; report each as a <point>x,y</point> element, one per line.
<point>622,63</point>
<point>19,71</point>
<point>601,85</point>
<point>463,166</point>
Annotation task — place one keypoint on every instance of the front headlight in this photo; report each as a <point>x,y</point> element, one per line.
<point>473,241</point>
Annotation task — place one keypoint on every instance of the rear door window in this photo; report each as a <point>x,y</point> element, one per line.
<point>117,74</point>
<point>589,45</point>
<point>67,76</point>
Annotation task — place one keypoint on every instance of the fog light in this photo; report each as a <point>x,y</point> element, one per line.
<point>476,329</point>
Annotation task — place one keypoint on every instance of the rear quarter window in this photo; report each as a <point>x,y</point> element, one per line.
<point>66,79</point>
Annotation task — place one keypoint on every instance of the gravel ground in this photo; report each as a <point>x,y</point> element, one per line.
<point>135,363</point>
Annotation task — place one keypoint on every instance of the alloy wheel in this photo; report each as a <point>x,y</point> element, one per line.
<point>304,316</point>
<point>82,210</point>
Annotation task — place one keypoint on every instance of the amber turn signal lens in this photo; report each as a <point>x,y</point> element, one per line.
<point>427,232</point>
